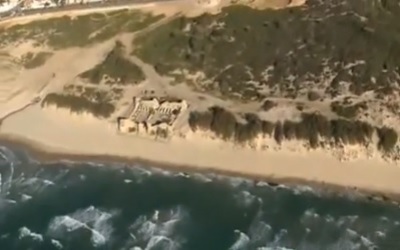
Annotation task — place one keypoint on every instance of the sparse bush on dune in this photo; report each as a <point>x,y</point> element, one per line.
<point>313,128</point>
<point>268,105</point>
<point>31,60</point>
<point>101,108</point>
<point>278,132</point>
<point>348,111</point>
<point>249,130</point>
<point>223,123</point>
<point>116,67</point>
<point>387,138</point>
<point>65,32</point>
<point>295,44</point>
<point>200,120</point>
<point>313,95</point>
<point>267,127</point>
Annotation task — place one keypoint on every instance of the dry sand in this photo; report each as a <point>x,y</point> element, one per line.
<point>78,12</point>
<point>57,131</point>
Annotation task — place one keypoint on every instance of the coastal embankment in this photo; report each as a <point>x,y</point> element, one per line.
<point>54,134</point>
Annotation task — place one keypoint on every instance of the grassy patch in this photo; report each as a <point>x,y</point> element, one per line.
<point>283,49</point>
<point>91,100</point>
<point>115,68</point>
<point>31,60</point>
<point>64,32</point>
<point>348,111</point>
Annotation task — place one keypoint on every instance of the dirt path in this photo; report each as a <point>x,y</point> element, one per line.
<point>16,111</point>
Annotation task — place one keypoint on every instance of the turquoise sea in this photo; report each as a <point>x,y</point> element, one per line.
<point>74,206</point>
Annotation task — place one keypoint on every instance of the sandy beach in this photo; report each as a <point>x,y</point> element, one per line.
<point>52,134</point>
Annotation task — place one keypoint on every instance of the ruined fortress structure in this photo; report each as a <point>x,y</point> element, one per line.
<point>208,3</point>
<point>151,116</point>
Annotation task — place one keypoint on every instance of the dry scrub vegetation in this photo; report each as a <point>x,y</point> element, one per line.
<point>115,69</point>
<point>31,60</point>
<point>85,99</point>
<point>337,49</point>
<point>65,32</point>
<point>314,128</point>
<point>284,53</point>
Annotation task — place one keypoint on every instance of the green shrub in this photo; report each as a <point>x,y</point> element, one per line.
<point>289,40</point>
<point>387,139</point>
<point>200,120</point>
<point>79,104</point>
<point>32,61</point>
<point>249,130</point>
<point>115,66</point>
<point>312,127</point>
<point>348,111</point>
<point>268,105</point>
<point>223,123</point>
<point>64,32</point>
<point>313,96</point>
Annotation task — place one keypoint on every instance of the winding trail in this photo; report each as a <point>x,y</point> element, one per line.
<point>17,111</point>
<point>34,101</point>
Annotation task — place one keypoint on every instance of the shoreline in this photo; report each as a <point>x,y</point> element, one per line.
<point>39,152</point>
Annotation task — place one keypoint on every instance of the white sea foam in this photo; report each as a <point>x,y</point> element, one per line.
<point>158,231</point>
<point>161,171</point>
<point>182,174</point>
<point>260,232</point>
<point>161,242</point>
<point>245,198</point>
<point>101,228</point>
<point>6,180</point>
<point>241,242</point>
<point>262,184</point>
<point>140,173</point>
<point>275,248</point>
<point>8,155</point>
<point>238,181</point>
<point>48,182</point>
<point>304,189</point>
<point>57,244</point>
<point>147,230</point>
<point>32,185</point>
<point>6,203</point>
<point>279,237</point>
<point>24,232</point>
<point>380,234</point>
<point>282,186</point>
<point>201,177</point>
<point>344,244</point>
<point>95,164</point>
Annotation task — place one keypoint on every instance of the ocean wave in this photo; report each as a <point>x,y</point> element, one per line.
<point>24,232</point>
<point>201,177</point>
<point>245,198</point>
<point>8,155</point>
<point>256,215</point>
<point>158,229</point>
<point>242,241</point>
<point>95,221</point>
<point>56,244</point>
